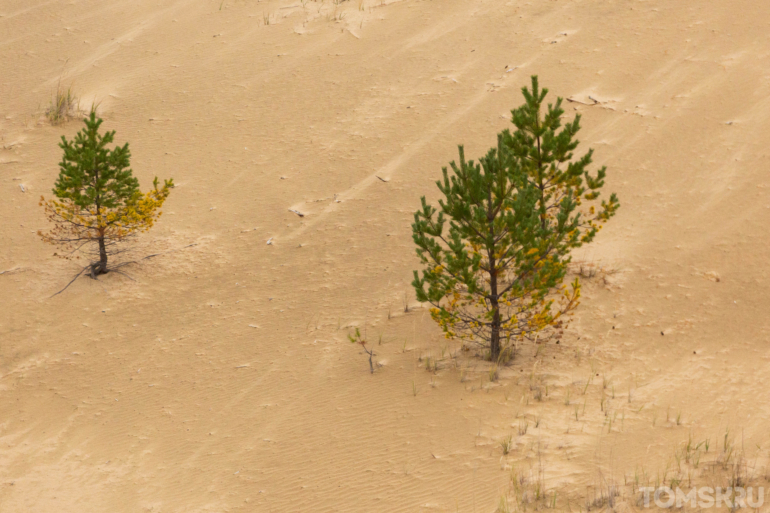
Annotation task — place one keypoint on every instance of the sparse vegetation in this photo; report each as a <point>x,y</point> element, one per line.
<point>730,469</point>
<point>591,271</point>
<point>503,506</point>
<point>506,444</point>
<point>528,488</point>
<point>63,107</point>
<point>356,338</point>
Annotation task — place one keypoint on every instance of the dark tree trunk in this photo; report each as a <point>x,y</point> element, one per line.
<point>494,342</point>
<point>101,267</point>
<point>541,185</point>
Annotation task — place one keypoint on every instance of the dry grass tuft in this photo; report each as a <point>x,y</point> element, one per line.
<point>506,444</point>
<point>591,271</point>
<point>64,106</point>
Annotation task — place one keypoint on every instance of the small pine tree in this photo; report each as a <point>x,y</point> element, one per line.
<point>495,274</point>
<point>97,203</point>
<point>358,339</point>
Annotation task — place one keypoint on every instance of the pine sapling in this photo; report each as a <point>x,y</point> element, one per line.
<point>358,339</point>
<point>97,203</point>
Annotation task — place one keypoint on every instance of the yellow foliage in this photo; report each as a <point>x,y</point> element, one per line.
<point>75,226</point>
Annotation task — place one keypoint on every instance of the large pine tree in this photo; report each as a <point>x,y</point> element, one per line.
<point>497,249</point>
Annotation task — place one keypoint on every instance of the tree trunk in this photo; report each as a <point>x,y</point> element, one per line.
<point>494,342</point>
<point>541,185</point>
<point>101,267</point>
<point>494,346</point>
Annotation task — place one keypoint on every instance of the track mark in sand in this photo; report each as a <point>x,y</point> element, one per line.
<point>385,173</point>
<point>111,47</point>
<point>11,41</point>
<point>5,17</point>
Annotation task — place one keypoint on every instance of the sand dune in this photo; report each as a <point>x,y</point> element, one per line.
<point>221,379</point>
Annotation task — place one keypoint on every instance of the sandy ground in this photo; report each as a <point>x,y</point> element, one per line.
<point>221,379</point>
